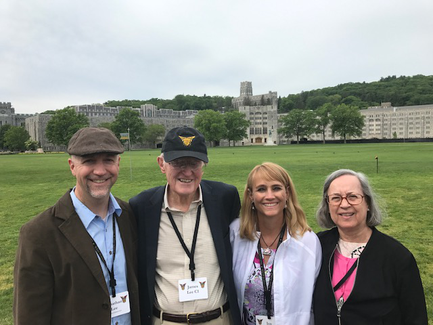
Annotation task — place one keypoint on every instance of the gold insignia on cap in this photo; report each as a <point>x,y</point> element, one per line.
<point>187,140</point>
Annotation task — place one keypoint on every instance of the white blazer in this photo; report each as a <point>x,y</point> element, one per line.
<point>296,267</point>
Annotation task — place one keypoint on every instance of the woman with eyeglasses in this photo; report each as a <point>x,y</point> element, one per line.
<point>366,277</point>
<point>276,256</point>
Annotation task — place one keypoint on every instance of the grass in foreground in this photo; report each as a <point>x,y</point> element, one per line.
<point>31,183</point>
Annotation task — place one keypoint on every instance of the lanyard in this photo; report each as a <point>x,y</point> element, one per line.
<point>268,290</point>
<point>98,251</point>
<point>194,240</point>
<point>348,274</point>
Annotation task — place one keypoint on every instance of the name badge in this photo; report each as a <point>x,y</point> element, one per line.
<point>192,290</point>
<point>263,320</point>
<point>120,304</point>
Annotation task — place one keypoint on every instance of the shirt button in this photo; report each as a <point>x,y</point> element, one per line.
<point>110,252</point>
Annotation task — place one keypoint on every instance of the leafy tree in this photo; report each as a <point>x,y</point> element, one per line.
<point>400,91</point>
<point>153,133</point>
<point>64,123</point>
<point>285,104</point>
<point>106,125</point>
<point>31,144</point>
<point>127,119</point>
<point>314,102</point>
<point>211,124</point>
<point>236,125</point>
<point>15,138</point>
<point>299,123</point>
<point>346,121</point>
<point>323,120</point>
<point>3,130</point>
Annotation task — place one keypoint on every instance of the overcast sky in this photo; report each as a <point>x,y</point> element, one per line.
<point>55,53</point>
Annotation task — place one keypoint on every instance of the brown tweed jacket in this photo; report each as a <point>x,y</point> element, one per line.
<point>57,276</point>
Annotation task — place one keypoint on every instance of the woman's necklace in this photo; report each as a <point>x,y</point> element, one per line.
<point>268,251</point>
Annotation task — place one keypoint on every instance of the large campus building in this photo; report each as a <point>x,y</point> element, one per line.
<point>389,122</point>
<point>261,112</point>
<point>98,113</point>
<point>381,122</point>
<point>8,116</point>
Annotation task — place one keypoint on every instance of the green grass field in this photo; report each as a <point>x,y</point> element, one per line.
<point>31,183</point>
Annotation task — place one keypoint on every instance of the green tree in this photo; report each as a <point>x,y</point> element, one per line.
<point>236,125</point>
<point>346,121</point>
<point>15,138</point>
<point>63,124</point>
<point>323,120</point>
<point>153,133</point>
<point>314,102</point>
<point>31,144</point>
<point>211,124</point>
<point>106,125</point>
<point>3,130</point>
<point>299,123</point>
<point>129,120</point>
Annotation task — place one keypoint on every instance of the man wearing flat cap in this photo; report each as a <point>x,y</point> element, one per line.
<point>184,254</point>
<point>76,262</point>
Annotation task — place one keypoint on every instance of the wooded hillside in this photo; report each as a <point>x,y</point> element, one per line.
<point>400,91</point>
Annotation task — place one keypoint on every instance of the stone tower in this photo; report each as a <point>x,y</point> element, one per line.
<point>246,88</point>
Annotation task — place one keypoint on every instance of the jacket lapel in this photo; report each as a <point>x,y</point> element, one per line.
<point>210,201</point>
<point>151,219</point>
<point>73,229</point>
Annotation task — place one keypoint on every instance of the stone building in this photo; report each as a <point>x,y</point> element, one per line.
<point>8,116</point>
<point>36,126</point>
<point>98,113</point>
<point>150,114</point>
<point>388,122</point>
<point>261,112</point>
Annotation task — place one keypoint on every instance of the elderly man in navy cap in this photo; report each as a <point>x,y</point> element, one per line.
<point>76,262</point>
<point>184,253</point>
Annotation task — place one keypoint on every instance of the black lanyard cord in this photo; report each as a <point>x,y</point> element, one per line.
<point>268,289</point>
<point>348,274</point>
<point>112,282</point>
<point>194,240</point>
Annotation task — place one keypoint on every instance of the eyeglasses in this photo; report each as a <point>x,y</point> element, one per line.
<point>182,164</point>
<point>352,199</point>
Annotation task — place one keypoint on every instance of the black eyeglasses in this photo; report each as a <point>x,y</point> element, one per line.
<point>352,199</point>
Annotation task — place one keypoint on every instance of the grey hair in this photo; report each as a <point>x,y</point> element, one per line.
<point>374,215</point>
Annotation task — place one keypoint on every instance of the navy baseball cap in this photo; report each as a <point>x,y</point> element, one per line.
<point>184,142</point>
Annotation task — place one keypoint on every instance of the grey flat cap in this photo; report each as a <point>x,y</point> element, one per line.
<point>91,140</point>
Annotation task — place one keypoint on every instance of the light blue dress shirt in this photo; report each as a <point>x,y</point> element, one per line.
<point>102,233</point>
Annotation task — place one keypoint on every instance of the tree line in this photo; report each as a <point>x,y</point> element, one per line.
<point>400,91</point>
<point>179,103</point>
<point>344,120</point>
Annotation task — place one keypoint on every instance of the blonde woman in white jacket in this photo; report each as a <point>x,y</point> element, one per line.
<point>276,256</point>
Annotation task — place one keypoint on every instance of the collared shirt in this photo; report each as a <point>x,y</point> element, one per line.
<point>102,233</point>
<point>172,263</point>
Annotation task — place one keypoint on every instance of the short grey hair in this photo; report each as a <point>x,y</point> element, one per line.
<point>374,215</point>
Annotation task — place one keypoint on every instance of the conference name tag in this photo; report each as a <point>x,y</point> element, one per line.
<point>192,290</point>
<point>263,320</point>
<point>120,304</point>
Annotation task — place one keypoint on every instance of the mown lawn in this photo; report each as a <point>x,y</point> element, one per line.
<point>403,178</point>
